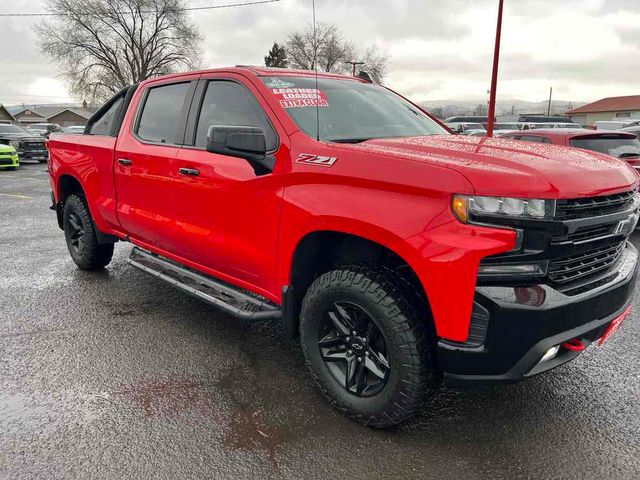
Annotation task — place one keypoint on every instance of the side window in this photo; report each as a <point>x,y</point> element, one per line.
<point>103,125</point>
<point>161,113</point>
<point>532,138</point>
<point>229,103</point>
<point>546,140</point>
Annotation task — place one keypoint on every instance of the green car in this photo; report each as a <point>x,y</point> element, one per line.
<point>8,157</point>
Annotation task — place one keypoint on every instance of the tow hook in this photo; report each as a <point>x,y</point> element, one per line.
<point>574,344</point>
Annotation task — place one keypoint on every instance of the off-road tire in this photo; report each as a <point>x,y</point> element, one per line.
<point>401,315</point>
<point>94,256</point>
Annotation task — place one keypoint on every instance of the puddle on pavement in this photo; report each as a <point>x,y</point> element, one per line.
<point>243,428</point>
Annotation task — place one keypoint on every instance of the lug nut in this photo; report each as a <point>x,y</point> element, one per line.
<point>350,352</point>
<point>348,339</point>
<point>359,359</point>
<point>366,353</point>
<point>354,333</point>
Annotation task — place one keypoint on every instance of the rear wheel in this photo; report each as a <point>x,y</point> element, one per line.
<point>366,344</point>
<point>80,234</point>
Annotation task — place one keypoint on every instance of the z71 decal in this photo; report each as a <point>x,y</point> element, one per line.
<point>318,160</point>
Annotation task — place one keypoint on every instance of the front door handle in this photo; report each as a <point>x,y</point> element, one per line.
<point>124,161</point>
<point>194,172</point>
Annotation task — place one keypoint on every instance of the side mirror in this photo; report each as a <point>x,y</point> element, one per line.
<point>242,142</point>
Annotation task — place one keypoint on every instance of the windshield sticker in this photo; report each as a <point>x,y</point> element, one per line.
<point>300,97</point>
<point>278,83</point>
<point>318,160</point>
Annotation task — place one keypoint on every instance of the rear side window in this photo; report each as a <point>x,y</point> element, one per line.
<point>229,103</point>
<point>611,144</point>
<point>535,138</point>
<point>161,116</point>
<point>104,124</point>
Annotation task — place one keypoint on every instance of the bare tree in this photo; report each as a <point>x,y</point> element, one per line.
<point>329,51</point>
<point>375,63</point>
<point>101,46</point>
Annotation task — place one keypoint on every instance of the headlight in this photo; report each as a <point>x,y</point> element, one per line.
<point>15,144</point>
<point>466,206</point>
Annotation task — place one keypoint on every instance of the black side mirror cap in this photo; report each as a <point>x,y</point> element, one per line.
<point>242,142</point>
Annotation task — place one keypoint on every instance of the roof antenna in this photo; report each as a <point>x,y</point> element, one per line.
<point>315,66</point>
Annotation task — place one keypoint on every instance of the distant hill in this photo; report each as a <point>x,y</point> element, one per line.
<point>449,108</point>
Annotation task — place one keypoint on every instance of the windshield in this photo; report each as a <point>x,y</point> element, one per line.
<point>613,145</point>
<point>13,129</point>
<point>349,111</point>
<point>473,126</point>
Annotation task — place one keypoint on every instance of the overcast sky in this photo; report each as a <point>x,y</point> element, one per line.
<point>585,49</point>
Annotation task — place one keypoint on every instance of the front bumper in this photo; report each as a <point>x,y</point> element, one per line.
<point>38,154</point>
<point>524,322</point>
<point>9,161</point>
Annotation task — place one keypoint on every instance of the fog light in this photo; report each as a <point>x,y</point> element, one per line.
<point>550,354</point>
<point>527,269</point>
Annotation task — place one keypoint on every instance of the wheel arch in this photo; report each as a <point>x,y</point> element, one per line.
<point>321,250</point>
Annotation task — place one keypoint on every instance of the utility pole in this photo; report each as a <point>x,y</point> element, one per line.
<point>549,106</point>
<point>494,73</point>
<point>353,66</point>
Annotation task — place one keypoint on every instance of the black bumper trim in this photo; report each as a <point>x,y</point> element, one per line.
<point>527,366</point>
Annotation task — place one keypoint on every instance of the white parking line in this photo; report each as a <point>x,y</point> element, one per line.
<point>28,178</point>
<point>15,195</point>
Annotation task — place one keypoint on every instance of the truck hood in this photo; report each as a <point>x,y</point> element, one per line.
<point>501,167</point>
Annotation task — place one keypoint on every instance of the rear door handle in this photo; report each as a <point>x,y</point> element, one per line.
<point>124,161</point>
<point>194,172</point>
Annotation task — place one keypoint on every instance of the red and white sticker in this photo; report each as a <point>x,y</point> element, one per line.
<point>300,97</point>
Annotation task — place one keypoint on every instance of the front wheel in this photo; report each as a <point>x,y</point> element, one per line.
<point>366,344</point>
<point>80,234</point>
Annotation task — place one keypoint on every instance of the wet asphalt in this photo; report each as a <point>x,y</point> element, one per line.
<point>117,375</point>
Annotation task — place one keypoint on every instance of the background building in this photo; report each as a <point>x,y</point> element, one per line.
<point>5,116</point>
<point>62,115</point>
<point>610,108</point>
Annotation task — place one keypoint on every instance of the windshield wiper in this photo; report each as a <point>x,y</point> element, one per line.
<point>629,154</point>
<point>348,140</point>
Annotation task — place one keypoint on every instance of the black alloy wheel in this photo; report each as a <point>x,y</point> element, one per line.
<point>354,350</point>
<point>76,233</point>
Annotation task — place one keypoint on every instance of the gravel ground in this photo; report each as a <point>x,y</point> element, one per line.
<point>118,375</point>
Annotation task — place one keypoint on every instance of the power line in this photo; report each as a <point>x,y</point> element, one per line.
<point>187,9</point>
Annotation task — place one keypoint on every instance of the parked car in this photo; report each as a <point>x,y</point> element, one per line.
<point>468,119</point>
<point>634,129</point>
<point>466,128</point>
<point>44,129</point>
<point>614,124</point>
<point>622,145</point>
<point>403,256</point>
<point>28,145</point>
<point>524,118</point>
<point>567,125</point>
<point>8,157</point>
<point>532,125</point>
<point>75,129</point>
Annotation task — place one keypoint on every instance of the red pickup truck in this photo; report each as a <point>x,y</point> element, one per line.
<point>404,257</point>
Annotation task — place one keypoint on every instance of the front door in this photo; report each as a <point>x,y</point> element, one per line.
<point>227,214</point>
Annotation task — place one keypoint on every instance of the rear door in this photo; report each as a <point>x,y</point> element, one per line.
<point>227,214</point>
<point>145,165</point>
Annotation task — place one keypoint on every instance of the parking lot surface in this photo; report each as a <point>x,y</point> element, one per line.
<point>118,375</point>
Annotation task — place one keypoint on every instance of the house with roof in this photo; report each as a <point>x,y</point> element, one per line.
<point>63,116</point>
<point>5,115</point>
<point>610,108</point>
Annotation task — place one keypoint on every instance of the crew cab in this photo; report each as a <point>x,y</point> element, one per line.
<point>402,256</point>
